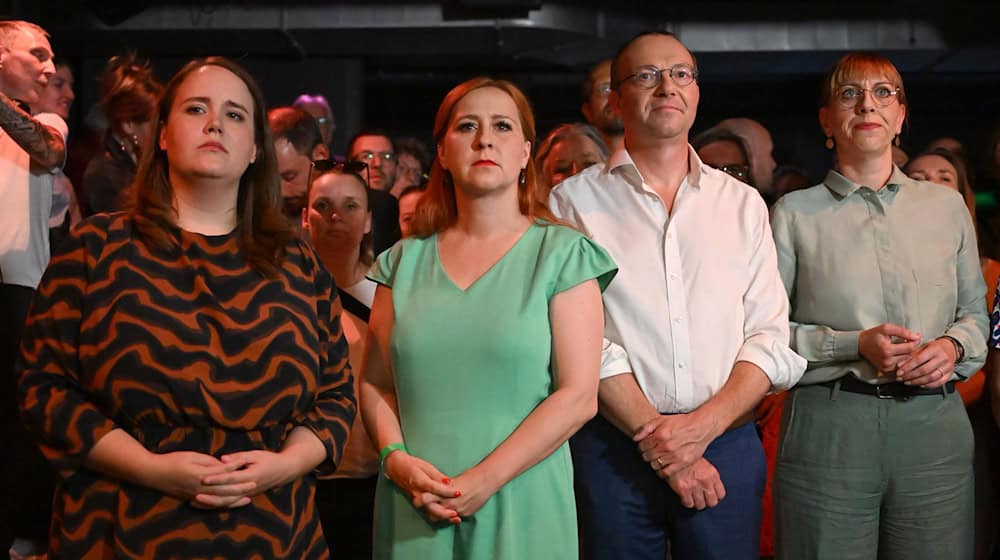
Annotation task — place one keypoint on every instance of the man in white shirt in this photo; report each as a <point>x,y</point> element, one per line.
<point>30,149</point>
<point>696,328</point>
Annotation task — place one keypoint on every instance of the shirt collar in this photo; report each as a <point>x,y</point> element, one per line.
<point>843,186</point>
<point>621,159</point>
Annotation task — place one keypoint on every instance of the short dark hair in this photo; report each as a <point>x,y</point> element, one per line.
<point>587,87</point>
<point>616,61</point>
<point>369,132</point>
<point>414,147</point>
<point>296,126</point>
<point>412,189</point>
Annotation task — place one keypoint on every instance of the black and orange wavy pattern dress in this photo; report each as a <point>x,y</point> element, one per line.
<point>188,352</point>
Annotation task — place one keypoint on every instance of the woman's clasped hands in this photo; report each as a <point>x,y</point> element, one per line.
<point>441,498</point>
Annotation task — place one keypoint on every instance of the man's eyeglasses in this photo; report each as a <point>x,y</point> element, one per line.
<point>882,95</point>
<point>292,206</point>
<point>649,77</point>
<point>368,157</point>
<point>603,89</point>
<point>737,171</point>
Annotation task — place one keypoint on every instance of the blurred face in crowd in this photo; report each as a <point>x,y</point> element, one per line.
<point>569,156</point>
<point>26,65</point>
<point>408,171</point>
<point>666,111</point>
<point>727,156</point>
<point>293,169</point>
<point>58,96</point>
<point>596,108</point>
<point>377,152</point>
<point>484,147</point>
<point>323,116</point>
<point>935,169</point>
<point>209,133</point>
<point>337,217</point>
<point>408,212</point>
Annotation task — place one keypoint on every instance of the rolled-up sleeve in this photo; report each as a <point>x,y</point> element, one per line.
<point>766,329</point>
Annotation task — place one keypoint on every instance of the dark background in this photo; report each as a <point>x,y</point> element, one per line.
<point>388,64</point>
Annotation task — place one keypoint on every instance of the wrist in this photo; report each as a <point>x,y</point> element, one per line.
<point>956,346</point>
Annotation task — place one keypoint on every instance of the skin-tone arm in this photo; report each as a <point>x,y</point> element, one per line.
<point>44,144</point>
<point>577,319</point>
<point>423,482</point>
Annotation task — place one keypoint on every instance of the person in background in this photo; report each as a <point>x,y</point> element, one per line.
<point>317,106</point>
<point>338,222</point>
<point>297,143</point>
<point>788,178</point>
<point>408,200</point>
<point>488,298</point>
<point>886,293</point>
<point>595,108</point>
<point>566,151</point>
<point>758,141</point>
<point>57,97</point>
<point>947,168</point>
<point>727,152</point>
<point>413,160</point>
<point>129,93</point>
<point>374,148</point>
<point>184,366</point>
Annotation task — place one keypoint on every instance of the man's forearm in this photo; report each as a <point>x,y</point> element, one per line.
<point>746,386</point>
<point>622,402</point>
<point>43,144</point>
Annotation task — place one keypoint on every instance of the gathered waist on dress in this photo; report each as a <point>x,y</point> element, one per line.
<point>211,440</point>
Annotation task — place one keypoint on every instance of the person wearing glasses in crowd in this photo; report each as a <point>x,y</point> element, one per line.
<point>696,329</point>
<point>597,110</point>
<point>413,160</point>
<point>297,142</point>
<point>338,222</point>
<point>184,366</point>
<point>724,151</point>
<point>374,148</point>
<point>484,350</point>
<point>887,306</point>
<point>566,151</point>
<point>317,106</point>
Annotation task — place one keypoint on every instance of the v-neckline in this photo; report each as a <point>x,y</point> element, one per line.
<point>489,269</point>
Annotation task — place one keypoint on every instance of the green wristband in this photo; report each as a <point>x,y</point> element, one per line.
<point>387,450</point>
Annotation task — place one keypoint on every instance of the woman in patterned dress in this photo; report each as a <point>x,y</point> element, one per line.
<point>183,365</point>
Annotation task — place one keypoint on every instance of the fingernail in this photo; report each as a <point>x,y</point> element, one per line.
<point>446,480</point>
<point>458,493</point>
<point>456,520</point>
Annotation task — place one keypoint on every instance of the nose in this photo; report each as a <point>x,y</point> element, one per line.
<point>48,68</point>
<point>485,138</point>
<point>866,103</point>
<point>214,123</point>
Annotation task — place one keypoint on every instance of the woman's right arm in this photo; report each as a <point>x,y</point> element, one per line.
<point>424,483</point>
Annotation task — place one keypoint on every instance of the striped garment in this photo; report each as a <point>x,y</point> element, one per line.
<point>187,352</point>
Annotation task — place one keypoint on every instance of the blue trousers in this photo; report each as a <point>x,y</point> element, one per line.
<point>626,511</point>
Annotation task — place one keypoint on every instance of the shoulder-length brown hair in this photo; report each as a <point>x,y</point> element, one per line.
<point>263,231</point>
<point>437,209</point>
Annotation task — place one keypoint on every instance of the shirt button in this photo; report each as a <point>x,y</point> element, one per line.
<point>681,365</point>
<point>677,319</point>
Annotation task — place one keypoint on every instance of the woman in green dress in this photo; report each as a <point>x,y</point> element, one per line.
<point>484,349</point>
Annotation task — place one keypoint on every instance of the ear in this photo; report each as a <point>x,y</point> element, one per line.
<point>163,136</point>
<point>527,153</point>
<point>253,156</point>
<point>587,112</point>
<point>440,150</point>
<point>368,222</point>
<point>902,119</point>
<point>320,152</point>
<point>824,121</point>
<point>305,219</point>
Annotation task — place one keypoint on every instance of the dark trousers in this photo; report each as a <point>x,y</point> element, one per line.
<point>28,480</point>
<point>346,507</point>
<point>626,511</point>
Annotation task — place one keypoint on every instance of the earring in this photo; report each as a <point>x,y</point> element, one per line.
<point>134,138</point>
<point>896,140</point>
<point>522,179</point>
<point>829,142</point>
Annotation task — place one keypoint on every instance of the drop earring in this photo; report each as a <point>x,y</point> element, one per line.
<point>829,142</point>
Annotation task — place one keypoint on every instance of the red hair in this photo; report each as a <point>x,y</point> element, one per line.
<point>857,66</point>
<point>437,209</point>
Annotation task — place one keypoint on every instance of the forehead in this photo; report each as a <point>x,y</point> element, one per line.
<point>216,84</point>
<point>337,185</point>
<point>601,73</point>
<point>486,101</point>
<point>572,145</point>
<point>29,39</point>
<point>372,143</point>
<point>287,154</point>
<point>64,72</point>
<point>314,108</point>
<point>931,161</point>
<point>656,50</point>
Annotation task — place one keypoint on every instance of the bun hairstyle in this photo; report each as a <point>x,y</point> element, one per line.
<point>129,91</point>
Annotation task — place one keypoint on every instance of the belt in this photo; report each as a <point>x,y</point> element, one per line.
<point>895,390</point>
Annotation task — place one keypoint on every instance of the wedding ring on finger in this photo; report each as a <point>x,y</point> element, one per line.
<point>659,461</point>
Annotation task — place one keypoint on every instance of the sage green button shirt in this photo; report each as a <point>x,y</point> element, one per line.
<point>852,258</point>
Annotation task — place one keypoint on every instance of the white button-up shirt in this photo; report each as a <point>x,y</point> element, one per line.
<point>697,289</point>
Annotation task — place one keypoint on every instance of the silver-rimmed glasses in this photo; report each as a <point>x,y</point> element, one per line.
<point>649,77</point>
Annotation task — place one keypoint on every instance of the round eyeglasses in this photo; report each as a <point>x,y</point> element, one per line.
<point>649,77</point>
<point>882,95</point>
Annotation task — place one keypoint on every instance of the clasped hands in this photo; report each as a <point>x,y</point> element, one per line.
<point>674,446</point>
<point>441,498</point>
<point>229,481</point>
<point>896,350</point>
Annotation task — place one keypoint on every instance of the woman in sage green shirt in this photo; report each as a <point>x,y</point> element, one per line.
<point>886,295</point>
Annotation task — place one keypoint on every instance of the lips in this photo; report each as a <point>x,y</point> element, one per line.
<point>867,126</point>
<point>213,147</point>
<point>485,163</point>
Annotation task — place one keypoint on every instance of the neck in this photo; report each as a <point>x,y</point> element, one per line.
<point>615,142</point>
<point>663,163</point>
<point>866,169</point>
<point>345,265</point>
<point>490,214</point>
<point>205,206</point>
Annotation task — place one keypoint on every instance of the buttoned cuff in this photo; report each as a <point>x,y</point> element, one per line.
<point>845,345</point>
<point>614,360</point>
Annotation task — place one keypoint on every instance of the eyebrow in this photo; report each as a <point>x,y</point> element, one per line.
<point>475,117</point>
<point>229,102</point>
